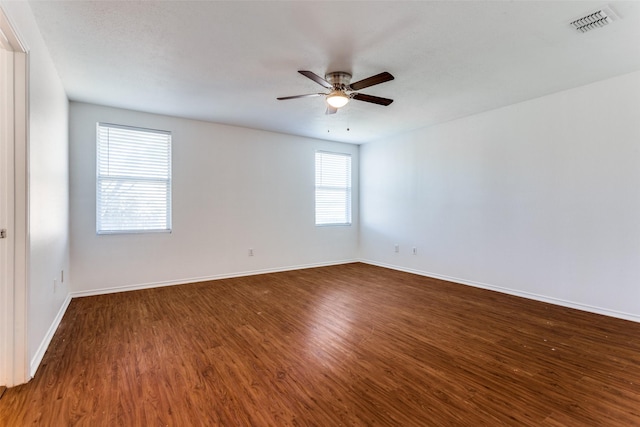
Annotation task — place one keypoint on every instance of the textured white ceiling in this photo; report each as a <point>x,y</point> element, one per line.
<point>227,62</point>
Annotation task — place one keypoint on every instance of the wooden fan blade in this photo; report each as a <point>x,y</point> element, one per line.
<point>372,99</point>
<point>316,78</point>
<point>370,81</point>
<point>331,110</point>
<point>310,95</point>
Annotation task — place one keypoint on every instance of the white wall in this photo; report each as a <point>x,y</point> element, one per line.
<point>48,181</point>
<point>540,199</point>
<point>233,189</point>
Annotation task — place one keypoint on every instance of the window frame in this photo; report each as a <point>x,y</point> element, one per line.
<point>348,189</point>
<point>167,181</point>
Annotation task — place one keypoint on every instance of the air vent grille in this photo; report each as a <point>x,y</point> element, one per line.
<point>592,21</point>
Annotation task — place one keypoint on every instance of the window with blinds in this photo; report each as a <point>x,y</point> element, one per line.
<point>333,188</point>
<point>133,180</point>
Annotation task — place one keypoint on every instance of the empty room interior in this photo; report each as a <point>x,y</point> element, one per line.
<point>320,213</point>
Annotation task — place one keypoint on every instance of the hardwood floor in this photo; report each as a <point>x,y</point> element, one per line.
<point>348,345</point>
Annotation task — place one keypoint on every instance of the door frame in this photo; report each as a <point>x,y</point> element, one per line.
<point>14,347</point>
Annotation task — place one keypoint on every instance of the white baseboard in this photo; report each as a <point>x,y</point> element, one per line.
<point>44,345</point>
<point>528,295</point>
<point>140,286</point>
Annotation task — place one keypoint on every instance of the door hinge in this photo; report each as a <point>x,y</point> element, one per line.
<point>3,233</point>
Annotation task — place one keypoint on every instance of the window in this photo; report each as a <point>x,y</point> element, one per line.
<point>333,188</point>
<point>133,180</point>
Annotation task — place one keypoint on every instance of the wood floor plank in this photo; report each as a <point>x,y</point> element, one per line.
<point>351,345</point>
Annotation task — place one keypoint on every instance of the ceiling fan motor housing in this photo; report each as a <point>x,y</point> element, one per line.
<point>339,79</point>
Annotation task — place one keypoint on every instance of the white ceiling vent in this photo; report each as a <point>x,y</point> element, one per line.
<point>594,20</point>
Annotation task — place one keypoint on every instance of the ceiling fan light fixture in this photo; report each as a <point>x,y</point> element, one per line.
<point>337,99</point>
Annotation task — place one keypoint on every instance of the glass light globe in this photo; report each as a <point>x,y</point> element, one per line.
<point>337,99</point>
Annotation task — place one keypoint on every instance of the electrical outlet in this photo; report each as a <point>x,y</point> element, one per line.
<point>61,276</point>
<point>396,248</point>
<point>250,252</point>
<point>415,251</point>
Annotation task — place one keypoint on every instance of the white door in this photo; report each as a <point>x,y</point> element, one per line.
<point>6,208</point>
<point>13,209</point>
<point>6,202</point>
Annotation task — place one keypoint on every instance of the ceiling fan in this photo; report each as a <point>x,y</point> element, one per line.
<point>341,90</point>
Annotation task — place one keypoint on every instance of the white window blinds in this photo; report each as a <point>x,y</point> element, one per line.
<point>333,188</point>
<point>133,180</point>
